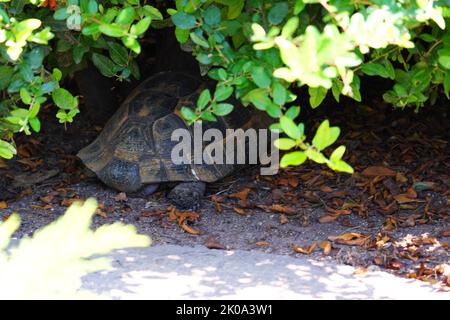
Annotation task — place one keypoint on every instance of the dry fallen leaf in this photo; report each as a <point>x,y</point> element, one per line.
<point>24,151</point>
<point>241,195</point>
<point>283,219</point>
<point>3,164</point>
<point>326,189</point>
<point>304,249</point>
<point>217,200</point>
<point>122,196</point>
<point>282,208</point>
<point>48,199</point>
<point>32,164</point>
<point>67,202</point>
<point>293,182</point>
<point>153,213</point>
<point>333,215</point>
<point>189,229</point>
<point>239,211</point>
<point>400,177</point>
<point>411,193</point>
<point>326,246</point>
<point>213,243</point>
<point>395,265</point>
<point>101,213</point>
<point>378,171</point>
<point>328,218</point>
<point>360,271</point>
<point>403,198</point>
<point>445,233</point>
<point>45,207</point>
<point>3,205</point>
<point>351,239</point>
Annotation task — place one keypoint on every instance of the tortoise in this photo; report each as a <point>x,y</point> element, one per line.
<point>133,151</point>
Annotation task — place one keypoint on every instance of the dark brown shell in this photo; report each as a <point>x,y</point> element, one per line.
<point>134,148</point>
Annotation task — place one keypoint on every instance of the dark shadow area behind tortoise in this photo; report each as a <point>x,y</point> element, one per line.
<point>102,96</point>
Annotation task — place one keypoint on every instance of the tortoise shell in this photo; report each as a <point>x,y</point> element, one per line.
<point>134,148</point>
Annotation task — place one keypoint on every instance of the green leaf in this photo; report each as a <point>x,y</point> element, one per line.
<point>337,154</point>
<point>132,43</point>
<point>118,53</point>
<point>446,83</point>
<point>105,65</point>
<point>222,109</point>
<point>290,128</point>
<point>25,96</point>
<point>6,73</point>
<point>278,12</point>
<point>204,99</point>
<point>78,52</point>
<point>92,6</point>
<point>113,30</point>
<point>152,12</point>
<point>61,14</point>
<point>187,113</point>
<point>141,27</point>
<point>183,20</point>
<point>285,143</point>
<point>295,158</point>
<point>208,116</point>
<point>234,7</point>
<point>274,110</point>
<point>316,96</point>
<point>34,110</point>
<point>182,35</point>
<point>341,166</point>
<point>315,156</point>
<point>279,93</point>
<point>63,99</point>
<point>57,74</point>
<point>125,16</point>
<point>7,150</point>
<point>91,29</point>
<point>293,112</point>
<point>222,92</point>
<point>212,15</point>
<point>325,135</point>
<point>375,69</point>
<point>35,57</point>
<point>199,39</point>
<point>35,124</point>
<point>444,60</point>
<point>261,77</point>
<point>258,97</point>
<point>299,6</point>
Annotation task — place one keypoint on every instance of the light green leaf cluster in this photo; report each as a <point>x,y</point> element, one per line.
<point>50,264</point>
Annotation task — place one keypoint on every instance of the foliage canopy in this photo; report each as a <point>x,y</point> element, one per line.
<point>260,51</point>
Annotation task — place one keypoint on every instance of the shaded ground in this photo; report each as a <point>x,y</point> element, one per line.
<point>392,213</point>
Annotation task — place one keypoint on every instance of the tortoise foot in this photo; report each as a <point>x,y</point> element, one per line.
<point>187,195</point>
<point>149,189</point>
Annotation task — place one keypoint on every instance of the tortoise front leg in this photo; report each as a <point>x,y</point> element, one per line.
<point>149,189</point>
<point>187,195</point>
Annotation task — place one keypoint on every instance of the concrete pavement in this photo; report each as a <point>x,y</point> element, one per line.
<point>176,272</point>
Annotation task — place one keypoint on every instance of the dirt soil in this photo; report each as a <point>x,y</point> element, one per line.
<point>393,213</point>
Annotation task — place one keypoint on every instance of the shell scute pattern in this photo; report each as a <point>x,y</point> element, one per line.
<point>135,145</point>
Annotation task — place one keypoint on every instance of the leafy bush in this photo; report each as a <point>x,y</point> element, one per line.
<point>260,51</point>
<point>41,42</point>
<point>51,263</point>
